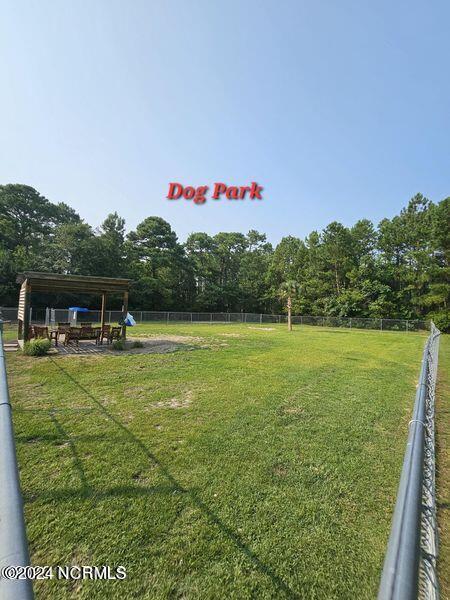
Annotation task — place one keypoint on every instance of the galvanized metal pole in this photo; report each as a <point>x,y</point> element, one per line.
<point>13,540</point>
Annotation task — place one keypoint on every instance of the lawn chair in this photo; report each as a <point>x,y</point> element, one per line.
<point>89,333</point>
<point>72,335</point>
<point>104,333</point>
<point>114,334</point>
<point>40,332</point>
<point>62,329</point>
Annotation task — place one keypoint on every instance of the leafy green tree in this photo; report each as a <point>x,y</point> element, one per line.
<point>436,300</point>
<point>363,239</point>
<point>200,250</point>
<point>157,265</point>
<point>27,218</point>
<point>112,241</point>
<point>28,223</point>
<point>399,269</point>
<point>289,262</point>
<point>254,264</point>
<point>230,248</point>
<point>337,254</point>
<point>406,254</point>
<point>75,249</point>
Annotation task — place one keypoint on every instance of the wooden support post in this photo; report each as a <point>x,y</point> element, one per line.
<point>124,314</point>
<point>102,315</point>
<point>26,313</point>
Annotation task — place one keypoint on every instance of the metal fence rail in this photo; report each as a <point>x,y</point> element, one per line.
<point>409,570</point>
<point>42,316</point>
<point>13,541</point>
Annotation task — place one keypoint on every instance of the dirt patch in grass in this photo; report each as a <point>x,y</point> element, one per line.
<point>178,339</point>
<point>182,401</point>
<point>293,410</point>
<point>234,335</point>
<point>263,328</point>
<point>280,470</point>
<point>160,345</point>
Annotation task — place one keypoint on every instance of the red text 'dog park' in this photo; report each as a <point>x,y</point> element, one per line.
<point>220,191</point>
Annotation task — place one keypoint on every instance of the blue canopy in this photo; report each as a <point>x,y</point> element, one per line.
<point>78,309</point>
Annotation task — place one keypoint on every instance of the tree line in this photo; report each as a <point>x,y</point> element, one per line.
<point>398,269</point>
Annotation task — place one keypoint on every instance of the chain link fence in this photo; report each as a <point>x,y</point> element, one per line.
<point>409,570</point>
<point>41,316</point>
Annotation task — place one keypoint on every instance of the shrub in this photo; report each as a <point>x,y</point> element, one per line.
<point>441,320</point>
<point>137,344</point>
<point>118,345</point>
<point>37,347</point>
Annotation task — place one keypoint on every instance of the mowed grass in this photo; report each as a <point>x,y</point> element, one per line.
<point>9,332</point>
<point>251,463</point>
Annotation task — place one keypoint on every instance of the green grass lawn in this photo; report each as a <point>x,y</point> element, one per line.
<point>9,332</point>
<point>250,463</point>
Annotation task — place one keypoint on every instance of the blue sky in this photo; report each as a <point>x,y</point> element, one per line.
<point>341,110</point>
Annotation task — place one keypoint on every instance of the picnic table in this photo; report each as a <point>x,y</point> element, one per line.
<point>75,334</point>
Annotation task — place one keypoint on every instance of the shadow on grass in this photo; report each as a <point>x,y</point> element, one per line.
<point>53,438</point>
<point>85,492</point>
<point>174,486</point>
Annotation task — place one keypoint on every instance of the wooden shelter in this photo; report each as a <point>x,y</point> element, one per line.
<point>32,281</point>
